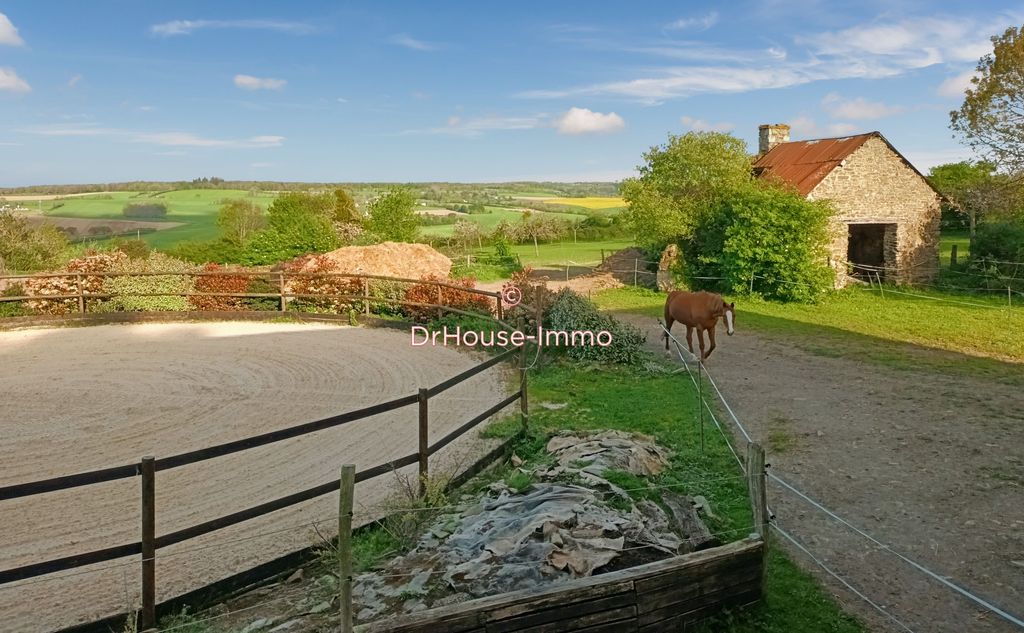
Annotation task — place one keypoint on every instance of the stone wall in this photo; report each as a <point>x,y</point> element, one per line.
<point>873,185</point>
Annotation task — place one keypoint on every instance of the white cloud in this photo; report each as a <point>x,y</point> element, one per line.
<point>74,81</point>
<point>186,27</point>
<point>248,82</point>
<point>956,86</point>
<point>147,108</point>
<point>859,108</point>
<point>9,32</point>
<point>584,121</point>
<point>10,81</point>
<point>168,139</point>
<point>806,127</point>
<point>342,100</point>
<point>412,43</point>
<point>700,125</point>
<point>701,23</point>
<point>457,126</point>
<point>867,51</point>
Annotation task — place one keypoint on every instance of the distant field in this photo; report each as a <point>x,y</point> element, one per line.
<point>557,254</point>
<point>586,203</point>
<point>488,221</point>
<point>195,210</point>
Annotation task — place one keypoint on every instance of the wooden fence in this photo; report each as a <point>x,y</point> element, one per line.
<point>667,595</point>
<point>280,279</point>
<point>148,467</point>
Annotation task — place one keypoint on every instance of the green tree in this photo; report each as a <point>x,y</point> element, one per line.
<point>991,119</point>
<point>345,209</point>
<point>297,223</point>
<point>392,216</point>
<point>239,220</point>
<point>467,234</point>
<point>975,191</point>
<point>681,182</point>
<point>766,237</point>
<point>27,248</point>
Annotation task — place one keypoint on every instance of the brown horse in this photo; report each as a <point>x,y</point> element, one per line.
<point>700,310</point>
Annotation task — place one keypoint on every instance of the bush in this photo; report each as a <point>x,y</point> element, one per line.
<point>298,224</point>
<point>326,284</point>
<point>571,312</point>
<point>144,210</point>
<point>92,262</point>
<point>768,232</point>
<point>27,248</point>
<point>449,297</point>
<point>216,251</point>
<point>392,216</point>
<point>220,284</point>
<point>996,251</point>
<point>134,249</point>
<point>262,285</point>
<point>13,308</point>
<point>126,289</point>
<point>392,291</point>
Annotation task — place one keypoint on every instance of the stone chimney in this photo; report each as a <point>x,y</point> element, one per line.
<point>770,135</point>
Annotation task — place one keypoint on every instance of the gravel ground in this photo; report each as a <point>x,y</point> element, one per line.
<point>76,399</point>
<point>930,464</point>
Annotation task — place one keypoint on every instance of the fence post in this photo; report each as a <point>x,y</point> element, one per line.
<point>567,270</point>
<point>348,482</point>
<point>147,617</point>
<point>757,485</point>
<point>498,308</point>
<point>878,276</point>
<point>751,283</point>
<point>280,285</point>
<point>602,255</point>
<point>952,256</point>
<point>366,296</point>
<point>423,432</point>
<point>440,301</point>
<point>700,401</point>
<point>635,263</point>
<point>1009,296</point>
<point>539,315</point>
<point>524,404</point>
<point>81,295</point>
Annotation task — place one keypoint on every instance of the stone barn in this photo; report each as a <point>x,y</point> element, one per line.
<point>887,219</point>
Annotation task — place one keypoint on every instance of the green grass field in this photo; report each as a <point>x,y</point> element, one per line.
<point>195,208</point>
<point>488,221</point>
<point>558,253</point>
<point>931,331</point>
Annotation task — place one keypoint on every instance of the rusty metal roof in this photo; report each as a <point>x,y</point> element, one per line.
<point>804,164</point>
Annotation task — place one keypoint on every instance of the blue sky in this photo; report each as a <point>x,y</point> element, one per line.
<point>105,90</point>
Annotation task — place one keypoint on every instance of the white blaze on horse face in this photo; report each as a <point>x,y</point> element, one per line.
<point>728,322</point>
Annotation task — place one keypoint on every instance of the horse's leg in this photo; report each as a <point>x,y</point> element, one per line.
<point>689,337</point>
<point>700,340</point>
<point>711,338</point>
<point>668,327</point>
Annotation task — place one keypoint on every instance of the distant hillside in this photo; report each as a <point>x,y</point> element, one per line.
<point>431,190</point>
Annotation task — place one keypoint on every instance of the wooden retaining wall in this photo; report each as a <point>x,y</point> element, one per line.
<point>667,595</point>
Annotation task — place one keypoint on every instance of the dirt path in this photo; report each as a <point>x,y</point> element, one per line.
<point>75,399</point>
<point>932,465</point>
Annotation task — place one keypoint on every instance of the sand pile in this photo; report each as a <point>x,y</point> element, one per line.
<point>391,259</point>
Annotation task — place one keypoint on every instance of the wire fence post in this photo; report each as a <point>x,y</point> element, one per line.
<point>280,288</point>
<point>751,283</point>
<point>81,294</point>
<point>147,616</point>
<point>636,264</point>
<point>878,276</point>
<point>700,401</point>
<point>366,296</point>
<point>952,256</point>
<point>499,309</point>
<point>423,448</point>
<point>567,270</point>
<point>757,485</point>
<point>347,489</point>
<point>524,406</point>
<point>539,314</point>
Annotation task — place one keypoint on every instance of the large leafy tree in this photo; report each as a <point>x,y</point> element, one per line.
<point>991,119</point>
<point>239,220</point>
<point>298,223</point>
<point>975,192</point>
<point>680,182</point>
<point>392,216</point>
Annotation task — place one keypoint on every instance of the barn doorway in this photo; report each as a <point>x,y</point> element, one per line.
<point>868,249</point>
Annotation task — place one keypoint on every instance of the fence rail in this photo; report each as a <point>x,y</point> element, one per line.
<point>148,467</point>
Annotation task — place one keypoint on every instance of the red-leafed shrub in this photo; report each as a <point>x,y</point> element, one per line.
<point>219,284</point>
<point>445,296</point>
<point>311,276</point>
<point>92,262</point>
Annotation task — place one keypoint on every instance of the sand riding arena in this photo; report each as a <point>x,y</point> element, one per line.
<point>81,399</point>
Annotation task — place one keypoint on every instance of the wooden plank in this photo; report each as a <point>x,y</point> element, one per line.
<point>689,573</point>
<point>529,601</point>
<point>673,597</point>
<point>583,622</point>
<point>147,616</point>
<point>471,622</point>
<point>584,605</point>
<point>704,603</point>
<point>347,494</point>
<point>424,449</point>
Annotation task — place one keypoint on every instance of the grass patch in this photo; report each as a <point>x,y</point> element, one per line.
<point>897,331</point>
<point>962,239</point>
<point>558,253</point>
<point>665,407</point>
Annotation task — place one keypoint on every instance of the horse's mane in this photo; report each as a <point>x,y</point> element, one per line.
<point>714,302</point>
